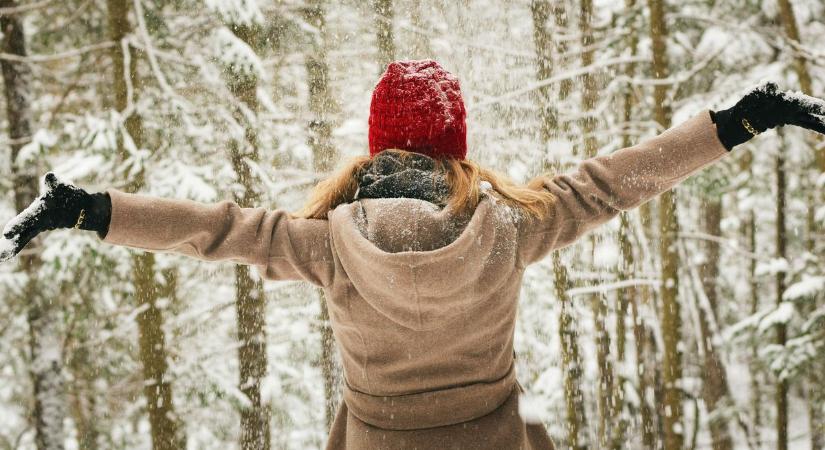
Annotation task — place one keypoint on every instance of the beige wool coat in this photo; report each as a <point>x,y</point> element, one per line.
<point>422,303</point>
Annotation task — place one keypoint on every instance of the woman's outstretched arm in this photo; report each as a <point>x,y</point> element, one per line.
<point>282,247</point>
<point>603,186</point>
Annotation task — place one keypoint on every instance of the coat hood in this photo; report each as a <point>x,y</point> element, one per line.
<point>418,264</point>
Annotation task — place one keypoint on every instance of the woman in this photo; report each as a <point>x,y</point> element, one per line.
<point>421,252</point>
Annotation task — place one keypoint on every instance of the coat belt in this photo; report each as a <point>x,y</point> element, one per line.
<point>432,408</point>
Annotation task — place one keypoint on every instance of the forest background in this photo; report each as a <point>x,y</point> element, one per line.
<point>694,322</point>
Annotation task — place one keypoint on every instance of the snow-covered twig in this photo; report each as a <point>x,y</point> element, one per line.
<point>556,78</point>
<point>721,241</point>
<point>153,61</point>
<point>602,288</point>
<point>676,79</point>
<point>57,56</point>
<point>702,302</point>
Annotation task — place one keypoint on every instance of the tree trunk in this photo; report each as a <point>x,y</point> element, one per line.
<point>645,374</point>
<point>668,227</point>
<point>576,421</point>
<point>606,390</point>
<point>43,314</point>
<point>715,388</point>
<point>817,397</point>
<point>83,364</point>
<point>321,105</point>
<point>540,10</point>
<point>560,16</point>
<point>781,331</point>
<point>571,361</point>
<point>165,426</point>
<point>755,369</point>
<point>815,405</point>
<point>788,17</point>
<point>250,300</point>
<point>419,42</point>
<point>384,15</point>
<point>630,297</point>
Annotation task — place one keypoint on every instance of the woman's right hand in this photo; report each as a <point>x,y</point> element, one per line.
<point>767,107</point>
<point>63,205</point>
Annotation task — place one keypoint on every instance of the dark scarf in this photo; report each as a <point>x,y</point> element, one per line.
<point>389,175</point>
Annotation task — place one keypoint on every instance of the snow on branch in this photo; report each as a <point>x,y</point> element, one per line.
<point>235,54</point>
<point>57,56</point>
<point>569,74</point>
<point>602,288</point>
<point>807,287</point>
<point>727,243</point>
<point>240,12</point>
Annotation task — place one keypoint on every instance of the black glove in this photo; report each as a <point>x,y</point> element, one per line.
<point>62,206</point>
<point>765,107</point>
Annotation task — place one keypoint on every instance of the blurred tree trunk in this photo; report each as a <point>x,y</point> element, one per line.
<point>630,297</point>
<point>420,47</point>
<point>543,41</point>
<point>250,300</point>
<point>165,427</point>
<point>576,425</point>
<point>576,422</point>
<point>715,388</point>
<point>755,369</point>
<point>321,107</point>
<point>43,314</point>
<point>561,32</point>
<point>816,397</point>
<point>781,331</point>
<point>788,17</point>
<point>815,406</point>
<point>800,67</point>
<point>571,360</point>
<point>384,15</point>
<point>668,228</point>
<point>85,369</point>
<point>606,391</point>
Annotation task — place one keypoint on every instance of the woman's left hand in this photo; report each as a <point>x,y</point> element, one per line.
<point>63,205</point>
<point>767,107</point>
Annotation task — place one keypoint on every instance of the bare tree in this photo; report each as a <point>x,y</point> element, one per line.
<point>576,422</point>
<point>631,297</point>
<point>321,107</point>
<point>165,425</point>
<point>250,300</point>
<point>43,314</point>
<point>668,230</point>
<point>384,15</point>
<point>816,394</point>
<point>782,384</point>
<point>606,400</point>
<point>715,387</point>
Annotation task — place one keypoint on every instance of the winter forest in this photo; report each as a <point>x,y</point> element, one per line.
<point>696,321</point>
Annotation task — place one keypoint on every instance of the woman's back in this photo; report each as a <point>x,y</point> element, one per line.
<point>418,321</point>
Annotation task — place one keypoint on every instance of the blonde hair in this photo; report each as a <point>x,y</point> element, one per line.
<point>463,179</point>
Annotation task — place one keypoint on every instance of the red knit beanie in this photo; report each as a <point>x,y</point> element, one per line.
<point>417,106</point>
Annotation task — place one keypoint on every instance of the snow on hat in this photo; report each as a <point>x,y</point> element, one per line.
<point>417,106</point>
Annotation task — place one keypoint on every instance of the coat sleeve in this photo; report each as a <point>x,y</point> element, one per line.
<point>603,186</point>
<point>282,247</point>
